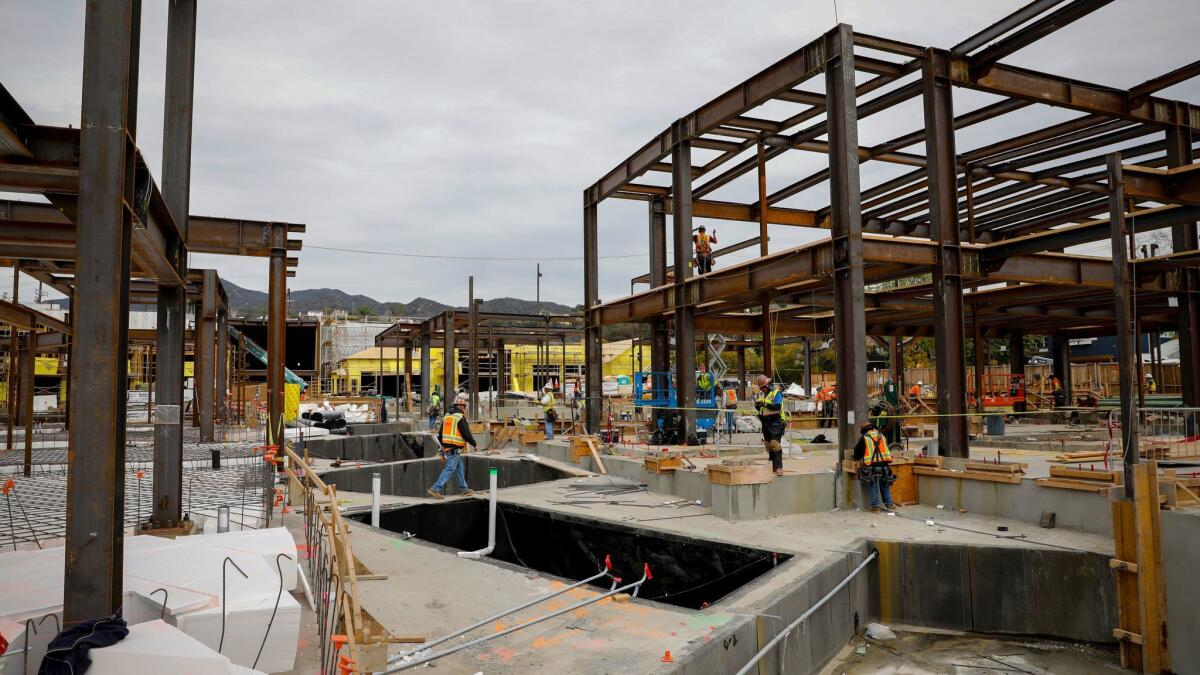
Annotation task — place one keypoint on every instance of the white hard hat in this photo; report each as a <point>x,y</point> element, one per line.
<point>461,399</point>
<point>1149,375</point>
<point>920,382</point>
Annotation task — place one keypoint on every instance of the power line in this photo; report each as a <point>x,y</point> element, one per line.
<point>427,256</point>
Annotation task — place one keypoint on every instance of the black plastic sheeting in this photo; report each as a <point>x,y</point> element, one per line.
<point>413,478</point>
<point>686,572</point>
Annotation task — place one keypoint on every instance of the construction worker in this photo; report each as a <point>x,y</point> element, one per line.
<point>704,242</point>
<point>828,411</point>
<point>454,436</point>
<point>548,412</point>
<point>890,394</point>
<point>914,392</point>
<point>730,399</point>
<point>770,412</point>
<point>1151,385</point>
<point>874,469</point>
<point>704,382</point>
<point>1060,394</point>
<point>435,407</point>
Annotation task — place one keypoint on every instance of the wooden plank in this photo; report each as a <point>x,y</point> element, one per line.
<point>1125,636</point>
<point>757,474</point>
<point>1002,467</point>
<point>596,456</point>
<point>1085,485</point>
<point>1151,591</point>
<point>1110,476</point>
<point>969,475</point>
<point>1128,621</point>
<point>663,464</point>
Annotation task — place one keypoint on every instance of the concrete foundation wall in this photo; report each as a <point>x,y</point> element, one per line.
<point>1025,501</point>
<point>1181,561</point>
<point>388,447</point>
<point>995,589</point>
<point>413,478</point>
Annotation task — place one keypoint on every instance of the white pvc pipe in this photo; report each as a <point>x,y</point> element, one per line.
<point>376,481</point>
<point>475,555</point>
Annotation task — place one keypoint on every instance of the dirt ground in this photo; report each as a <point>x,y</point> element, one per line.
<point>921,651</point>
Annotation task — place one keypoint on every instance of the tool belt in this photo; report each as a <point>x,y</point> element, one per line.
<point>869,473</point>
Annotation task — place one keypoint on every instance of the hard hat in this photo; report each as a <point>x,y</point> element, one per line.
<point>701,228</point>
<point>1149,375</point>
<point>920,382</point>
<point>461,399</point>
<point>763,379</point>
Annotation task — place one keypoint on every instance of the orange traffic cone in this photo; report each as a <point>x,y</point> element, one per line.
<point>667,657</point>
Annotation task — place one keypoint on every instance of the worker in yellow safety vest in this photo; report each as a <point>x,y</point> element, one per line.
<point>548,412</point>
<point>770,412</point>
<point>454,436</point>
<point>874,470</point>
<point>704,242</point>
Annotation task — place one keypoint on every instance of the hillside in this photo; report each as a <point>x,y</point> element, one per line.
<point>247,302</point>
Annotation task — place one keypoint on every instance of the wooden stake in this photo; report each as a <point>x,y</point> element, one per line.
<point>1151,588</point>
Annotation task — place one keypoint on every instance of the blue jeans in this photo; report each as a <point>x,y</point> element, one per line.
<point>454,467</point>
<point>433,422</point>
<point>729,421</point>
<point>549,426</point>
<point>879,485</point>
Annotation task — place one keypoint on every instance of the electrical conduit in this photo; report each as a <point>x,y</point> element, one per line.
<point>475,555</point>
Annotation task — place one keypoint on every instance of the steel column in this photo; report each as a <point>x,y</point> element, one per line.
<point>221,386</point>
<point>593,332</point>
<point>685,312</point>
<point>95,532</point>
<point>276,331</point>
<point>426,365</point>
<point>449,363</point>
<point>977,342</point>
<point>408,361</point>
<point>12,375</point>
<point>1016,363</point>
<point>1183,238</point>
<point>896,364</point>
<point>660,340</point>
<point>171,306</point>
<point>806,373</point>
<point>768,333</point>
<point>1061,366</point>
<point>849,318</point>
<point>501,371</point>
<point>1128,349</point>
<point>473,355</point>
<point>204,346</point>
<point>27,371</point>
<point>947,271</point>
<point>743,393</point>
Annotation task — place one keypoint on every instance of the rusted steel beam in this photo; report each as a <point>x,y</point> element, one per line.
<point>849,332</point>
<point>1128,350</point>
<point>1184,238</point>
<point>276,334</point>
<point>206,328</point>
<point>1027,35</point>
<point>95,528</point>
<point>685,312</point>
<point>660,338</point>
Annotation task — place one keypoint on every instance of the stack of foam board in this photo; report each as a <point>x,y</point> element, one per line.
<point>157,647</point>
<point>181,582</point>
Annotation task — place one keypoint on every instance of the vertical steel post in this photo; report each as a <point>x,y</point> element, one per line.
<point>1127,347</point>
<point>660,339</point>
<point>685,311</point>
<point>13,367</point>
<point>501,370</point>
<point>27,372</point>
<point>449,362</point>
<point>473,355</point>
<point>947,270</point>
<point>405,389</point>
<point>593,354</point>
<point>95,511</point>
<point>806,373</point>
<point>222,364</point>
<point>1016,364</point>
<point>980,358</point>
<point>166,509</point>
<point>205,345</point>
<point>426,365</point>
<point>1061,366</point>
<point>1184,238</point>
<point>849,318</point>
<point>276,331</point>
<point>743,394</point>
<point>768,332</point>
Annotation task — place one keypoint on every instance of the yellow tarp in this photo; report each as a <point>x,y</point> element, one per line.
<point>291,402</point>
<point>45,365</point>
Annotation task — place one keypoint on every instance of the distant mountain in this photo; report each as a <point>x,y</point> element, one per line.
<point>253,303</point>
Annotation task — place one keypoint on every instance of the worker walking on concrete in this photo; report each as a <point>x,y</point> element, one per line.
<point>454,437</point>
<point>548,412</point>
<point>703,242</point>
<point>874,458</point>
<point>1151,385</point>
<point>730,396</point>
<point>770,412</point>
<point>435,408</point>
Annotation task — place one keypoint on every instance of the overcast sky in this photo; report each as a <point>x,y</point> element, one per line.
<point>471,128</point>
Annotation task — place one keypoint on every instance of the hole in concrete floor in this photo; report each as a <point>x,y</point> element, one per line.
<point>687,572</point>
<point>412,478</point>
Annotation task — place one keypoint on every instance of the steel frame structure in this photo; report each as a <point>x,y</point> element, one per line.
<point>109,235</point>
<point>474,330</point>
<point>969,241</point>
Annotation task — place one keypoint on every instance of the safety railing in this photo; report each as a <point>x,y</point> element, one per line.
<point>1169,433</point>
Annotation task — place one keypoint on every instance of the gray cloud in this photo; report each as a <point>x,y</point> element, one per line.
<point>473,127</point>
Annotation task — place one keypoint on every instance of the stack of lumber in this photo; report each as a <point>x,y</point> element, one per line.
<point>996,472</point>
<point>1090,480</point>
<point>1083,457</point>
<point>740,472</point>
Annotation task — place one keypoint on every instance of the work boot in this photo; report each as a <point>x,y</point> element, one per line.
<point>468,493</point>
<point>435,495</point>
<point>890,508</point>
<point>874,509</point>
<point>778,472</point>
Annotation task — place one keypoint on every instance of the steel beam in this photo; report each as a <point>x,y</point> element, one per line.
<point>685,312</point>
<point>660,341</point>
<point>449,362</point>
<point>26,392</point>
<point>593,332</point>
<point>849,332</point>
<point>276,334</point>
<point>947,271</point>
<point>1061,360</point>
<point>220,411</point>
<point>206,362</point>
<point>426,365</point>
<point>1184,238</point>
<point>1128,349</point>
<point>95,530</point>
<point>473,355</point>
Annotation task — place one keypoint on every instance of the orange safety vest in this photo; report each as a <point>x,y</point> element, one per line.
<point>702,245</point>
<point>730,397</point>
<point>450,434</point>
<point>879,454</point>
<point>914,391</point>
